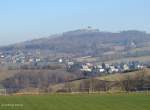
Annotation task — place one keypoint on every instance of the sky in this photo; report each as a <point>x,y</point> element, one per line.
<point>22,20</point>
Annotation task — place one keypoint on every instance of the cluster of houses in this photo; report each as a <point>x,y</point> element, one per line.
<point>89,68</point>
<point>20,58</point>
<point>94,69</point>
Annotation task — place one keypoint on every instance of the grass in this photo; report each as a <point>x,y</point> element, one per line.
<point>140,58</point>
<point>77,102</point>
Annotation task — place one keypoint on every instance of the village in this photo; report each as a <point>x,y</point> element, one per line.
<point>88,68</point>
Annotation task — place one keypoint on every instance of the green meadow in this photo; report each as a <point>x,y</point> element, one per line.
<point>76,102</point>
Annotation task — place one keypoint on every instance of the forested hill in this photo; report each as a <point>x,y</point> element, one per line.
<point>86,42</point>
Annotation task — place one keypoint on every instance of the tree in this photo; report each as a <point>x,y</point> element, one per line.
<point>127,83</point>
<point>140,80</point>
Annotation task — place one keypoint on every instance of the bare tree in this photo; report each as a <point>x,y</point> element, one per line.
<point>127,83</point>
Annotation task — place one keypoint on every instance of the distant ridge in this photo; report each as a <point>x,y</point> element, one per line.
<point>84,42</point>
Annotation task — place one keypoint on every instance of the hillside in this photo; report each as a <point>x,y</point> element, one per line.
<point>90,45</point>
<point>113,82</point>
<point>84,42</point>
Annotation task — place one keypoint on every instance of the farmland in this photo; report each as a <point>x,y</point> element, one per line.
<point>116,101</point>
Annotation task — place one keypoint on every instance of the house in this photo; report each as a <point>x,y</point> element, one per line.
<point>37,60</point>
<point>31,60</point>
<point>60,60</point>
<point>107,65</point>
<point>70,63</point>
<point>140,66</point>
<point>2,56</point>
<point>113,69</point>
<point>85,68</point>
<point>90,65</point>
<point>125,67</point>
<point>100,69</point>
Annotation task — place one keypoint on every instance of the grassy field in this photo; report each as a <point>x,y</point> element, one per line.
<point>77,102</point>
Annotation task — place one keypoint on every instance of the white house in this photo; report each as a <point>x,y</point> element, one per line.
<point>85,68</point>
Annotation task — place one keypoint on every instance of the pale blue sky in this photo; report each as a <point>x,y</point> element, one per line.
<point>27,19</point>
